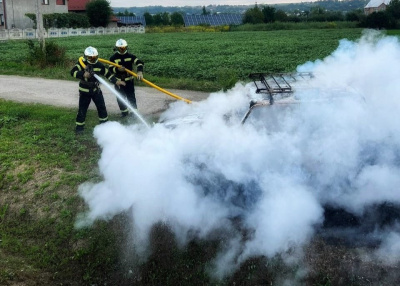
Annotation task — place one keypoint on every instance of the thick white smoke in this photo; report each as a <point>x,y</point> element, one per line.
<point>340,147</point>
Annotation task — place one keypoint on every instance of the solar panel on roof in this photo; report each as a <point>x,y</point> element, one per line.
<point>131,20</point>
<point>213,20</point>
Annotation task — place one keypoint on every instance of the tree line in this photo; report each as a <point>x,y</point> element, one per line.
<point>99,13</point>
<point>388,19</point>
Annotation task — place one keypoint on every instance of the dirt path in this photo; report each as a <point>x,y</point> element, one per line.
<point>65,93</point>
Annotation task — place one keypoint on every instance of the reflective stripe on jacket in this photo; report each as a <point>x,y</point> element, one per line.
<point>91,84</point>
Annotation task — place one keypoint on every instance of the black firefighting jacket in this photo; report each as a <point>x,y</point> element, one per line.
<point>88,85</point>
<point>127,60</point>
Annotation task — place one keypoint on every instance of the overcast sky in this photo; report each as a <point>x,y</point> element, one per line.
<point>143,3</point>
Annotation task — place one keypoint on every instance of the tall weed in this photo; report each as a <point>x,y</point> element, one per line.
<point>49,55</point>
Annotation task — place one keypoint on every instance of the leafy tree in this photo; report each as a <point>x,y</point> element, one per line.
<point>78,20</point>
<point>378,20</point>
<point>394,9</point>
<point>99,12</point>
<point>125,13</point>
<point>334,16</point>
<point>269,14</point>
<point>281,16</point>
<point>157,19</point>
<point>354,16</point>
<point>253,16</point>
<point>165,19</point>
<point>161,19</point>
<point>294,19</point>
<point>177,19</point>
<point>148,18</point>
<point>317,10</point>
<point>204,11</point>
<point>317,14</point>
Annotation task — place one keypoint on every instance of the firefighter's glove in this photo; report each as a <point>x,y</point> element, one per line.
<point>87,74</point>
<point>121,69</point>
<point>140,75</point>
<point>120,82</point>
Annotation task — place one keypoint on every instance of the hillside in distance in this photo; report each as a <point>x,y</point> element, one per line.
<point>329,5</point>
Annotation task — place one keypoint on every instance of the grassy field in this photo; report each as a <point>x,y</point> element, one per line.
<point>195,61</point>
<point>42,163</point>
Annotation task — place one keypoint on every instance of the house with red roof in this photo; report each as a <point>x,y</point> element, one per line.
<point>77,6</point>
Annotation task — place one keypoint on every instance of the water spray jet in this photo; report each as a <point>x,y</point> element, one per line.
<point>120,97</point>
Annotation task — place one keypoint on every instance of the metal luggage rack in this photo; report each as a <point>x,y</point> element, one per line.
<point>273,84</point>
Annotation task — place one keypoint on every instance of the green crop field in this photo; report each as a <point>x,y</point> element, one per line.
<point>198,61</point>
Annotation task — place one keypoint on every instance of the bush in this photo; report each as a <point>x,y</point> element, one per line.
<point>379,20</point>
<point>78,21</point>
<point>294,26</point>
<point>61,20</point>
<point>51,55</point>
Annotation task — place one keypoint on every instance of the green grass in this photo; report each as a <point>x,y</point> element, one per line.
<point>193,61</point>
<point>393,33</point>
<point>42,164</point>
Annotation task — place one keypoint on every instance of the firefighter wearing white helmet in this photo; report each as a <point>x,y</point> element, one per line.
<point>121,46</point>
<point>126,60</point>
<point>91,55</point>
<point>89,88</point>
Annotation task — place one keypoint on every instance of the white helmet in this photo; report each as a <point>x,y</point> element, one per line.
<point>122,46</point>
<point>91,55</point>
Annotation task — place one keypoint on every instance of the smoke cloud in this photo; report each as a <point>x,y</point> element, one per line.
<point>339,147</point>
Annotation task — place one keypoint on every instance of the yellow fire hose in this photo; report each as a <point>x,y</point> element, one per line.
<point>144,80</point>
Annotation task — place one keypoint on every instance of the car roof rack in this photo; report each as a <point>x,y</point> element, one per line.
<point>272,84</point>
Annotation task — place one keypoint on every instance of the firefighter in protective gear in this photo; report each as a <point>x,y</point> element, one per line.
<point>89,88</point>
<point>127,61</point>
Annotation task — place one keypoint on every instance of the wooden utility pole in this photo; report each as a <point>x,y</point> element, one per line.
<point>39,24</point>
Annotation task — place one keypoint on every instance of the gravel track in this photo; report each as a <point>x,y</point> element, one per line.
<point>64,93</point>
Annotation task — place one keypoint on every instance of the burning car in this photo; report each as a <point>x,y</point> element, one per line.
<point>277,104</point>
<point>272,90</point>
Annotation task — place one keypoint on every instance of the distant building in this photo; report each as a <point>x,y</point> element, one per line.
<point>12,12</point>
<point>130,21</point>
<point>77,6</point>
<point>376,6</point>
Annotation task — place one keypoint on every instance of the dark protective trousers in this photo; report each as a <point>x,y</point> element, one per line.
<point>84,102</point>
<point>128,92</point>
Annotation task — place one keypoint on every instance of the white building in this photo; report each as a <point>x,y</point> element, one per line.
<point>12,12</point>
<point>376,6</point>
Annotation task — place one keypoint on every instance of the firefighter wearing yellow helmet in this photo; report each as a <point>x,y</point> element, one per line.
<point>89,88</point>
<point>126,60</point>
